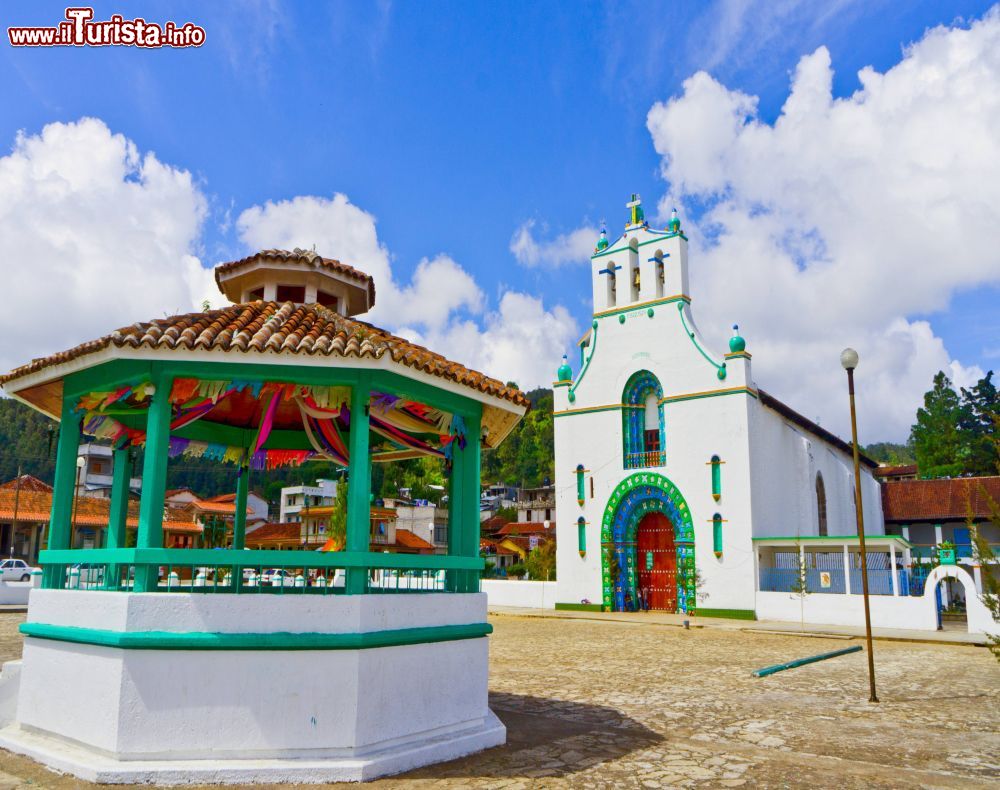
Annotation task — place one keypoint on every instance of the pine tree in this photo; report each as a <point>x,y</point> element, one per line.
<point>940,444</point>
<point>979,421</point>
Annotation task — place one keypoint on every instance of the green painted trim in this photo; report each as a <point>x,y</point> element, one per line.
<point>108,374</point>
<point>149,533</point>
<point>711,394</point>
<point>627,247</point>
<point>642,305</point>
<point>271,558</point>
<point>732,614</point>
<point>586,363</point>
<point>579,607</point>
<point>587,410</point>
<point>697,345</point>
<point>281,640</point>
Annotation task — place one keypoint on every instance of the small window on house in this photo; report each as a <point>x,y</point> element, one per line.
<point>821,504</point>
<point>548,514</point>
<point>257,294</point>
<point>292,293</point>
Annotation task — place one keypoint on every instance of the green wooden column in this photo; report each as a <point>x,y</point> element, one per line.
<point>64,489</point>
<point>359,485</point>
<point>456,517</point>
<point>470,497</point>
<point>154,480</point>
<point>118,517</point>
<point>240,516</point>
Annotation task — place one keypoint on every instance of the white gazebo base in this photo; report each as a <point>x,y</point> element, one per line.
<point>178,688</point>
<point>75,759</point>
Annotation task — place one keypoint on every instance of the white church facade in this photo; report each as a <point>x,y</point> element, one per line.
<point>679,482</point>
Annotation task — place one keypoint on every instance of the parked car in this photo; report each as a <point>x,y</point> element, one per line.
<point>16,571</point>
<point>278,577</point>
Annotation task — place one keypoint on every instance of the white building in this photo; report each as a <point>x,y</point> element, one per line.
<point>297,498</point>
<point>94,476</point>
<point>427,521</point>
<point>675,474</point>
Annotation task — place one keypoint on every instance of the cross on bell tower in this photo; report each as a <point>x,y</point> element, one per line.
<point>636,217</point>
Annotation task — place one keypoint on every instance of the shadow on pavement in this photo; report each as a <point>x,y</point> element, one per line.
<point>548,737</point>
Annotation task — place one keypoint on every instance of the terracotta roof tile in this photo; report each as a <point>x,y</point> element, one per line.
<point>896,471</point>
<point>299,256</point>
<point>28,483</point>
<point>527,528</point>
<point>36,507</point>
<point>410,540</point>
<point>274,532</point>
<point>926,500</point>
<point>285,328</point>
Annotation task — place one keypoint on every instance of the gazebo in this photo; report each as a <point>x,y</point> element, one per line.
<point>148,663</point>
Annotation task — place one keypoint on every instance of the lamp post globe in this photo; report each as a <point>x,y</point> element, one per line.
<point>849,358</point>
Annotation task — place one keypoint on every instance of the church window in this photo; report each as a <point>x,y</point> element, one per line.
<point>717,535</point>
<point>716,478</point>
<point>821,504</point>
<point>581,536</point>
<point>633,268</point>
<point>642,422</point>
<point>579,483</point>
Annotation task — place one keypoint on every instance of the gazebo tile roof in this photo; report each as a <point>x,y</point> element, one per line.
<point>298,256</point>
<point>284,328</point>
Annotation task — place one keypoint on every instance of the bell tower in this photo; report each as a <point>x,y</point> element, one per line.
<point>642,265</point>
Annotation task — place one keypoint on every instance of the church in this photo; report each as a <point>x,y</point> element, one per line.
<point>682,486</point>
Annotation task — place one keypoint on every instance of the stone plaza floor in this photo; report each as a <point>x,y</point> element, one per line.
<point>592,703</point>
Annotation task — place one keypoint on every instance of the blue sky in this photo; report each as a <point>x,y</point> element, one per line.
<point>456,123</point>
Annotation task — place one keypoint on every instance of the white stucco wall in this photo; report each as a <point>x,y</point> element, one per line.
<point>535,595</point>
<point>251,703</point>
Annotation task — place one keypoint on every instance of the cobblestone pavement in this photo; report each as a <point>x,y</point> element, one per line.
<point>591,704</point>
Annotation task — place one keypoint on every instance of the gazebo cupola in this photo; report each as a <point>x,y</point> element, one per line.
<point>299,276</point>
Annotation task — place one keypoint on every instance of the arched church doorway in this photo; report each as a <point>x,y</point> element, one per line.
<point>656,555</point>
<point>647,539</point>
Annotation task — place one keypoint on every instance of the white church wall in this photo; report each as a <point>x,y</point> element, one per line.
<point>527,594</point>
<point>786,461</point>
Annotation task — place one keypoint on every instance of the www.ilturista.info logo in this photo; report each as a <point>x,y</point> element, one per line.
<point>78,30</point>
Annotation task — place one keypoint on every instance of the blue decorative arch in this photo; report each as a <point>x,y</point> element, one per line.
<point>636,453</point>
<point>633,498</point>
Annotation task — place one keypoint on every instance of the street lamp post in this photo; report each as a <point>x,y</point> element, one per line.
<point>849,360</point>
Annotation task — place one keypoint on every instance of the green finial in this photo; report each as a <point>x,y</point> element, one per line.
<point>737,343</point>
<point>602,242</point>
<point>674,226</point>
<point>565,371</point>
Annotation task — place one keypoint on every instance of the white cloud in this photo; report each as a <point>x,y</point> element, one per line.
<point>573,247</point>
<point>441,306</point>
<point>96,235</point>
<point>832,225</point>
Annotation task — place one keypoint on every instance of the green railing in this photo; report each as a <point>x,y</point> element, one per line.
<point>255,571</point>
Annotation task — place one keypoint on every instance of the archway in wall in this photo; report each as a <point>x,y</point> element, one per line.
<point>634,499</point>
<point>949,600</point>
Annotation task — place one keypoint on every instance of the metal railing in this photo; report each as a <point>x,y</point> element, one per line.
<point>645,459</point>
<point>832,581</point>
<point>255,571</point>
